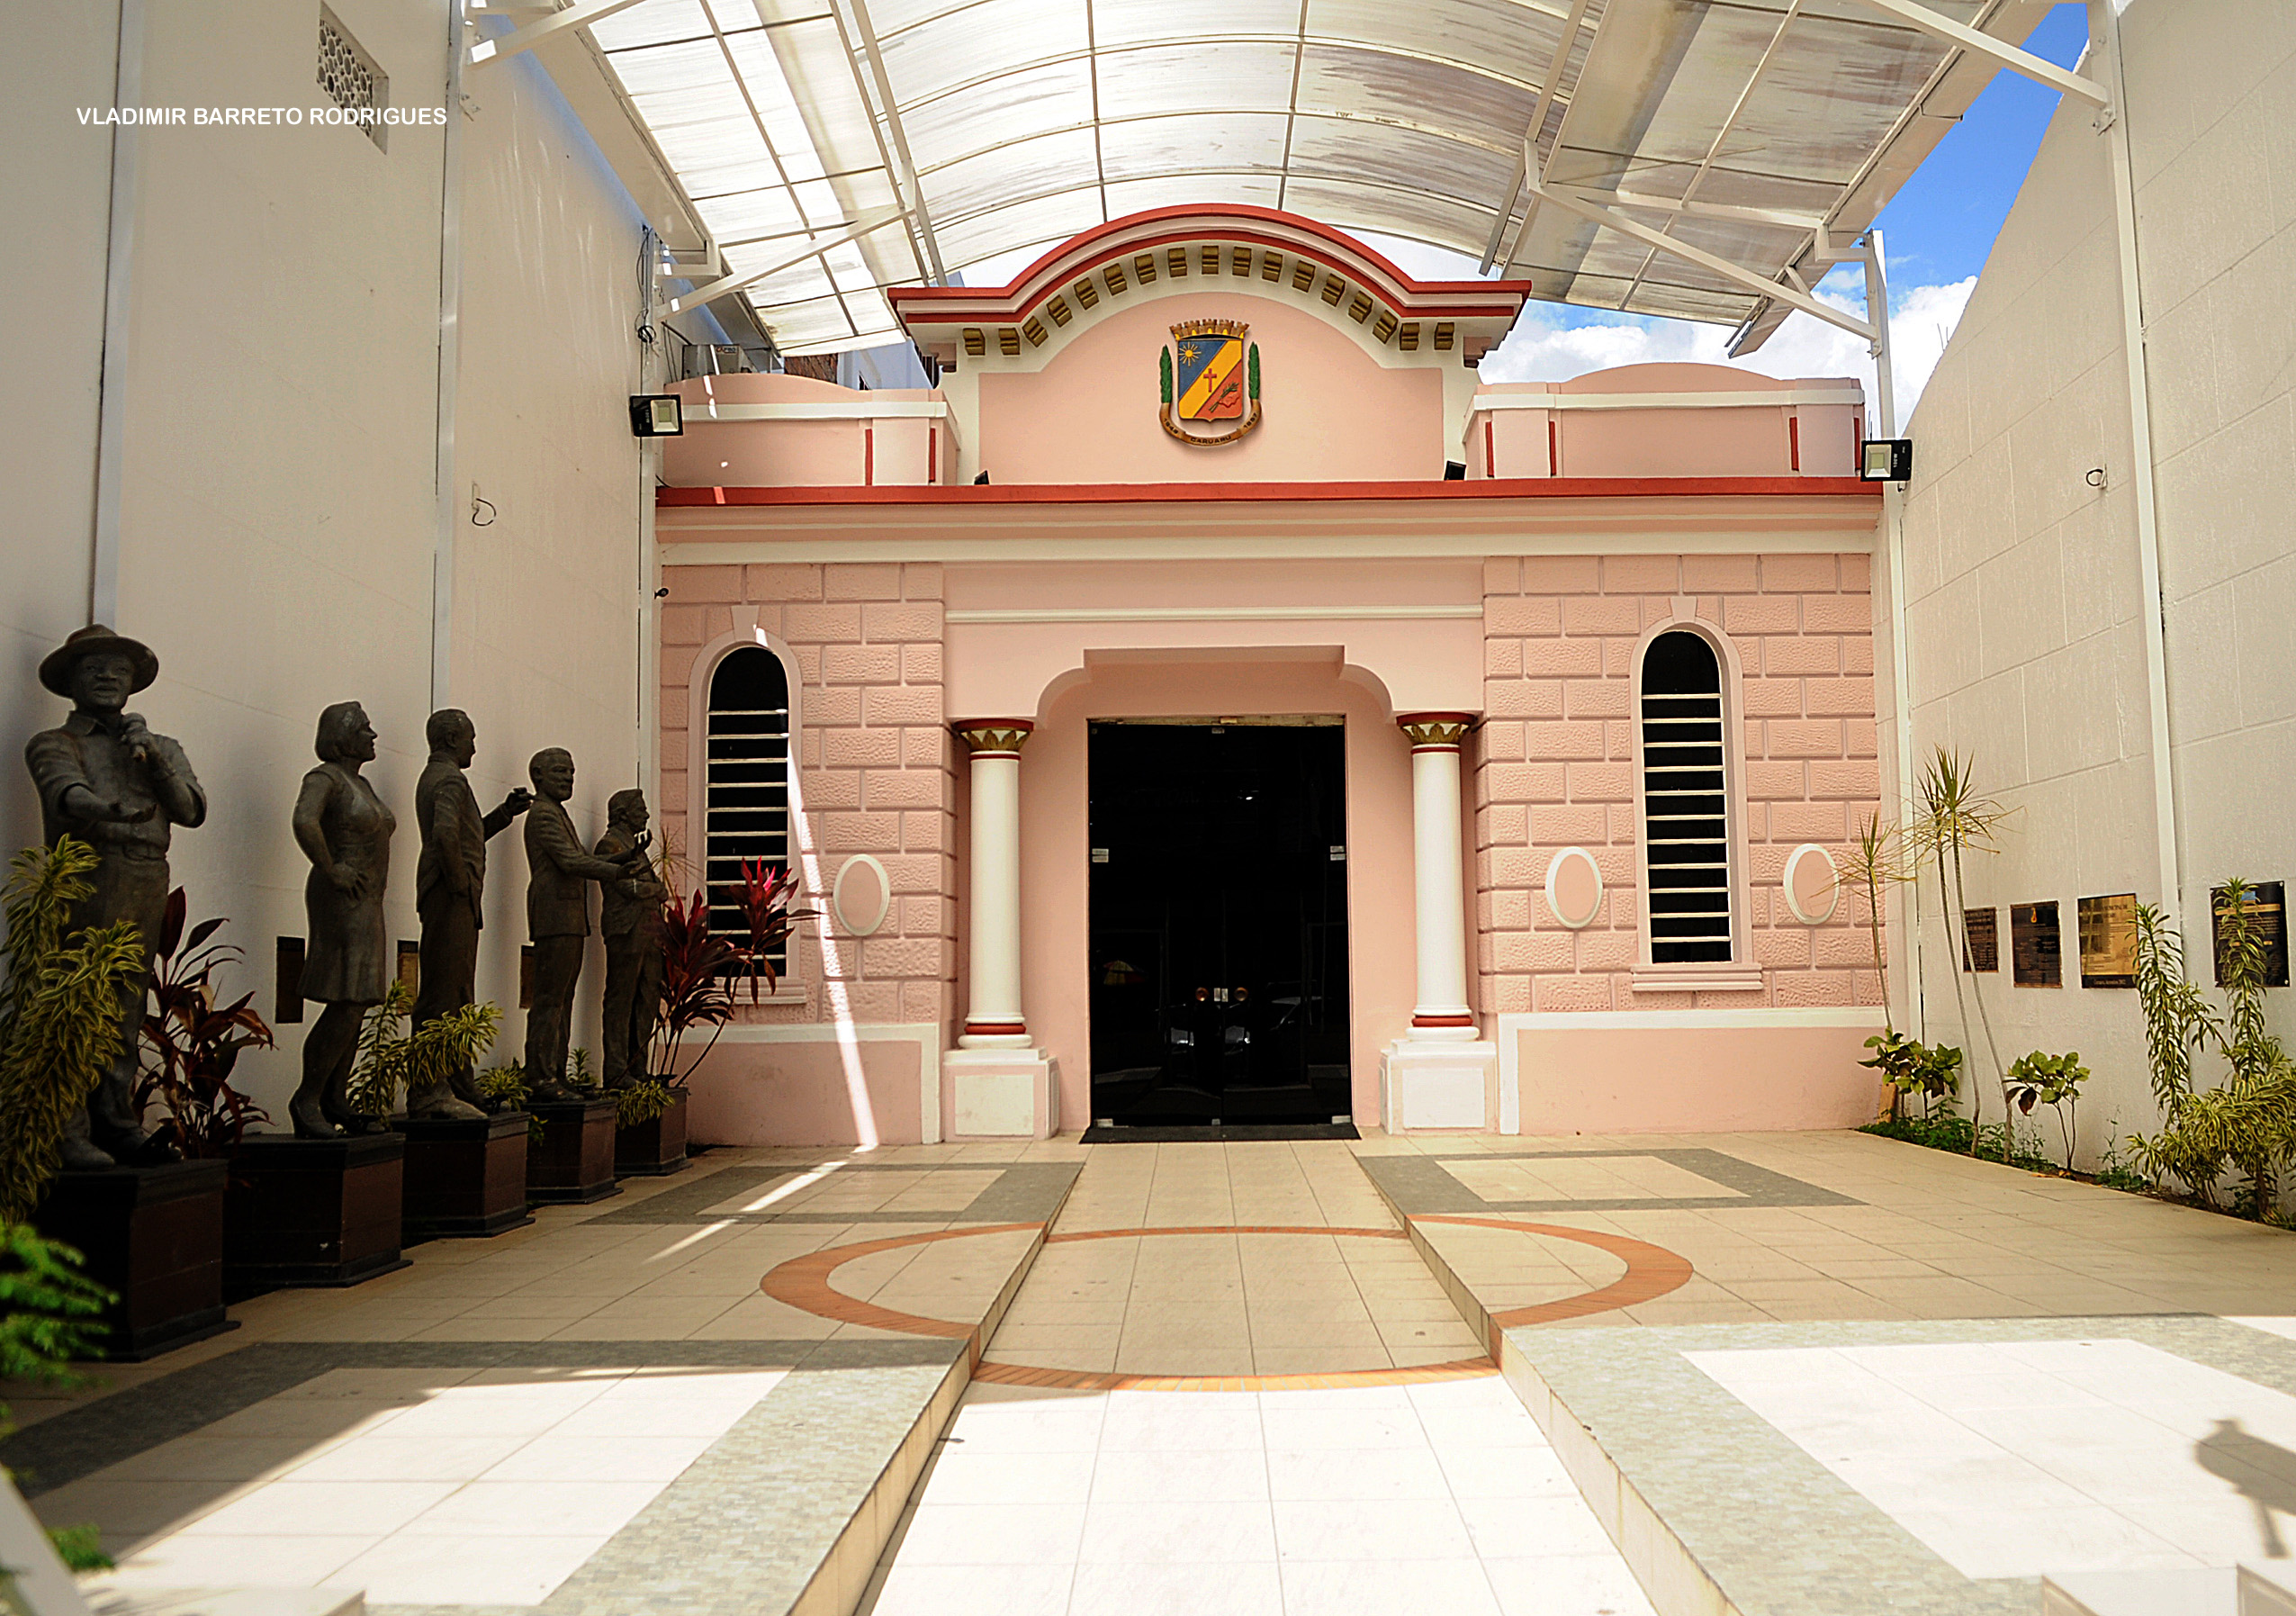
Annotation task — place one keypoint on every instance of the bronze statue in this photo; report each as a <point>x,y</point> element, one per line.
<point>344,831</point>
<point>630,919</point>
<point>450,887</point>
<point>558,876</point>
<point>105,778</point>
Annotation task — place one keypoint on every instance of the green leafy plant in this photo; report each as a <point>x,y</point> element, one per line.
<point>579,1071</point>
<point>2051,1080</point>
<point>59,1012</point>
<point>1949,1131</point>
<point>391,1057</point>
<point>1956,820</point>
<point>50,1323</point>
<point>2247,1122</point>
<point>1910,1066</point>
<point>191,1045</point>
<point>2112,1171</point>
<point>638,1102</point>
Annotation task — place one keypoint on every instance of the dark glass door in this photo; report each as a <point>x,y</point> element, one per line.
<point>1219,922</point>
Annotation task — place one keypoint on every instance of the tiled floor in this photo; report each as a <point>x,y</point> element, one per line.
<point>1359,1498</point>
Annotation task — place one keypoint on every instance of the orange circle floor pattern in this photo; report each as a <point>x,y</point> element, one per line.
<point>803,1283</point>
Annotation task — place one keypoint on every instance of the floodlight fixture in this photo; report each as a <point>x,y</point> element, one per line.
<point>1886,459</point>
<point>657,415</point>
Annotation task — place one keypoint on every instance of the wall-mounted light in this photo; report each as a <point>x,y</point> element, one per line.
<point>657,415</point>
<point>1886,459</point>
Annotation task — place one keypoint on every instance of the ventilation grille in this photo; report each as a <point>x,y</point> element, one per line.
<point>349,75</point>
<point>1685,798</point>
<point>747,816</point>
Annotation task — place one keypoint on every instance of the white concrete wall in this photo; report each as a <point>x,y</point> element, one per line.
<point>278,527</point>
<point>2025,636</point>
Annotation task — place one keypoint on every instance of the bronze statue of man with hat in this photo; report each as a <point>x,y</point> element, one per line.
<point>106,778</point>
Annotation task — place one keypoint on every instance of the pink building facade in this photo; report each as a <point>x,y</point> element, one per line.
<point>1210,703</point>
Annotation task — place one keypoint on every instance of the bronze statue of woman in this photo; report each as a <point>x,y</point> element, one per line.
<point>344,830</point>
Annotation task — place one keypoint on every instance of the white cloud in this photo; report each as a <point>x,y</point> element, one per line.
<point>1554,342</point>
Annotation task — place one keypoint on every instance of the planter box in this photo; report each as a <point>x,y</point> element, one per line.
<point>574,1161</point>
<point>312,1212</point>
<point>155,1234</point>
<point>652,1148</point>
<point>463,1178</point>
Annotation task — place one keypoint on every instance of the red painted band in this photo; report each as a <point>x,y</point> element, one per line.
<point>1153,493</point>
<point>1442,1021</point>
<point>995,1028</point>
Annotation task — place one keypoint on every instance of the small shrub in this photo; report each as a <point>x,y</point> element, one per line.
<point>193,1044</point>
<point>390,1057</point>
<point>641,1102</point>
<point>2052,1080</point>
<point>1912,1067</point>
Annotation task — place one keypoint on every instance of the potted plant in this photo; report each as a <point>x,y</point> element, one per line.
<point>462,1177</point>
<point>152,1236</point>
<point>698,968</point>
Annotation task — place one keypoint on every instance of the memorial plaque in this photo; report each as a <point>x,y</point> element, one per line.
<point>2267,906</point>
<point>2036,953</point>
<point>2108,941</point>
<point>1981,939</point>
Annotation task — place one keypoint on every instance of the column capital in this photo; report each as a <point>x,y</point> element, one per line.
<point>1436,732</point>
<point>994,737</point>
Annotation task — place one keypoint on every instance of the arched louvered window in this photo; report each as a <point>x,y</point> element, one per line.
<point>1686,801</point>
<point>746,807</point>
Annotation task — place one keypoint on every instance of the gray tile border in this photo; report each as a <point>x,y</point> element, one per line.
<point>1024,1192</point>
<point>1779,1533</point>
<point>1419,1184</point>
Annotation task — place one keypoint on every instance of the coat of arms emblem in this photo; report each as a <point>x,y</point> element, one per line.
<point>1211,377</point>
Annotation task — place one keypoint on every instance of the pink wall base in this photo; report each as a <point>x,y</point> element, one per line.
<point>808,1093</point>
<point>1692,1078</point>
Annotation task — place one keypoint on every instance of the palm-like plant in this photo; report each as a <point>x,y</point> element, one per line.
<point>1955,819</point>
<point>193,1042</point>
<point>1878,861</point>
<point>59,1012</point>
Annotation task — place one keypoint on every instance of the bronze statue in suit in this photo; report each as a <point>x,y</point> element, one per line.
<point>630,920</point>
<point>105,779</point>
<point>450,890</point>
<point>559,873</point>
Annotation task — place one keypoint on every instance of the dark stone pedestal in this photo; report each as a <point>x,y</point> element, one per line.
<point>574,1161</point>
<point>155,1234</point>
<point>652,1148</point>
<point>463,1177</point>
<point>320,1212</point>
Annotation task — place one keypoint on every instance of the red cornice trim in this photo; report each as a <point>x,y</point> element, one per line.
<point>1085,253</point>
<point>1155,494</point>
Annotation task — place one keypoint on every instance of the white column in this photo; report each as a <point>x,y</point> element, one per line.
<point>993,1018</point>
<point>1438,877</point>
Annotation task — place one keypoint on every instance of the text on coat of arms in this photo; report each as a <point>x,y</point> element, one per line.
<point>1210,374</point>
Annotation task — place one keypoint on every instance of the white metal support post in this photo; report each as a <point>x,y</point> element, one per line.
<point>999,1084</point>
<point>1883,417</point>
<point>447,508</point>
<point>119,309</point>
<point>2104,35</point>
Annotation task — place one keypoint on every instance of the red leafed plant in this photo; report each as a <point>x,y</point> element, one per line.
<point>191,1044</point>
<point>767,896</point>
<point>696,966</point>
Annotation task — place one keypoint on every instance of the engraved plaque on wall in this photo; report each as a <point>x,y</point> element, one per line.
<point>2267,906</point>
<point>2108,930</point>
<point>1981,935</point>
<point>2036,953</point>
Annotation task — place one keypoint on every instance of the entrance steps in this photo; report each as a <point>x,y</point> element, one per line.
<point>2218,1591</point>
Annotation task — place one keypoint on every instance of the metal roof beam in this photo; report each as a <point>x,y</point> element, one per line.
<point>1529,159</point>
<point>1999,50</point>
<point>750,278</point>
<point>1736,274</point>
<point>580,14</point>
<point>1696,210</point>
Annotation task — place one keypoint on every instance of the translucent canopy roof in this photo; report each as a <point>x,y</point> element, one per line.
<point>852,145</point>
